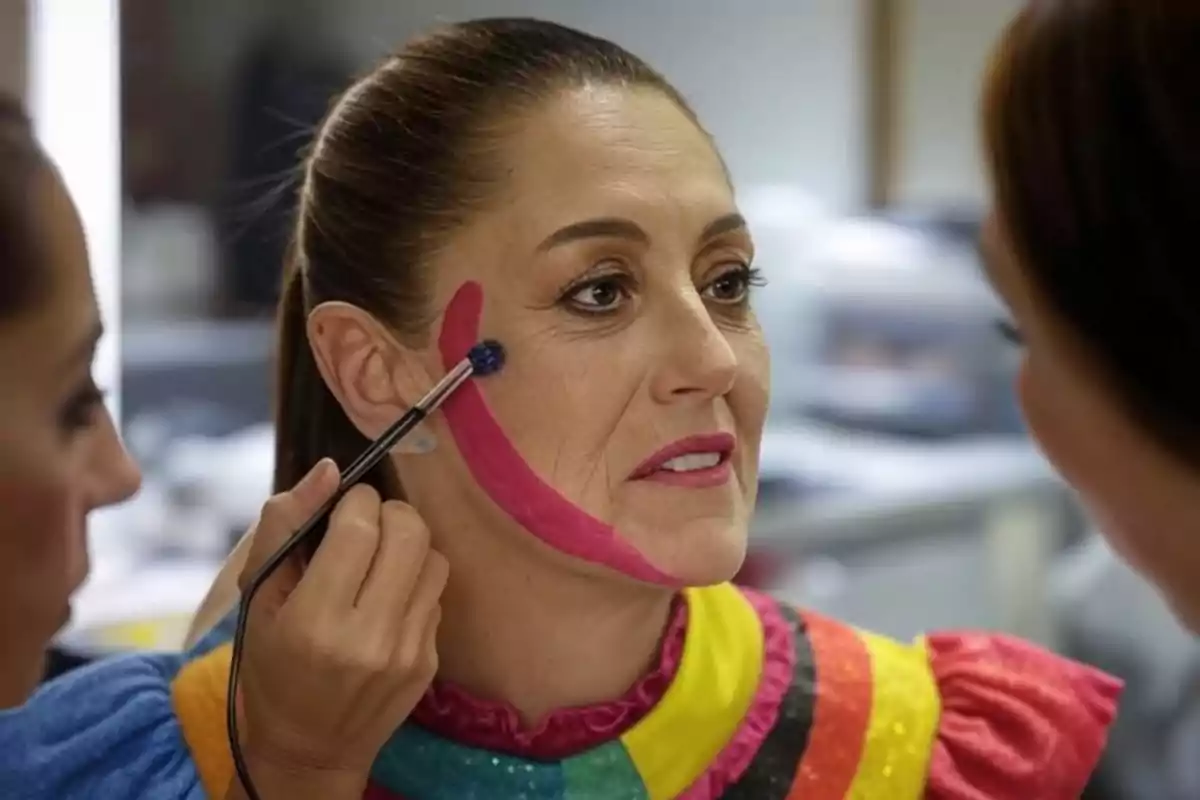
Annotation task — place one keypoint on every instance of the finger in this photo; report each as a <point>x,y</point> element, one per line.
<point>284,513</point>
<point>403,546</point>
<point>416,650</point>
<point>336,572</point>
<point>427,594</point>
<point>427,662</point>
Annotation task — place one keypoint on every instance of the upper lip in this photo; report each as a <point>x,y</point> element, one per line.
<point>720,443</point>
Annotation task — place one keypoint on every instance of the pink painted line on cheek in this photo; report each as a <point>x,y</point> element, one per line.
<point>506,477</point>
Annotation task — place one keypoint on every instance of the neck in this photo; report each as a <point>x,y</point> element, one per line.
<point>539,638</point>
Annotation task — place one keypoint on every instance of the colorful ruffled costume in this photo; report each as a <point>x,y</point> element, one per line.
<point>751,700</point>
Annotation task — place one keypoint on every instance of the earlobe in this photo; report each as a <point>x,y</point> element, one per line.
<point>367,371</point>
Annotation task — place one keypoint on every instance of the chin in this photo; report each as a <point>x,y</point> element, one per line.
<point>700,555</point>
<point>22,683</point>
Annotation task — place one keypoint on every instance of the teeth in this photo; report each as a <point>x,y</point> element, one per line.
<point>692,462</point>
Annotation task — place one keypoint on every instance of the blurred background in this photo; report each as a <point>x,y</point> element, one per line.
<point>899,489</point>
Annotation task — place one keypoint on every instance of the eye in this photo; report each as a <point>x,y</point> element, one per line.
<point>599,295</point>
<point>79,412</point>
<point>1010,332</point>
<point>733,287</point>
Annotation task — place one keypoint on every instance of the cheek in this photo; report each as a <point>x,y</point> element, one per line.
<point>41,539</point>
<point>561,414</point>
<point>1136,496</point>
<point>1056,422</point>
<point>750,399</point>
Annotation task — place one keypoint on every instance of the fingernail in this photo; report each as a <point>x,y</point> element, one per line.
<point>326,468</point>
<point>320,471</point>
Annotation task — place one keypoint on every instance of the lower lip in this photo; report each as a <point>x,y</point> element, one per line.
<point>694,479</point>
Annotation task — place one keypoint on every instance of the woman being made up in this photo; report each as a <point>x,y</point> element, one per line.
<point>518,180</point>
<point>60,458</point>
<point>1092,124</point>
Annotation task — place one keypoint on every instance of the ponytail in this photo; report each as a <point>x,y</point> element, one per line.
<point>309,422</point>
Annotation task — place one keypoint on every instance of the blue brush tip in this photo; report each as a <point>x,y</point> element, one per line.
<point>486,358</point>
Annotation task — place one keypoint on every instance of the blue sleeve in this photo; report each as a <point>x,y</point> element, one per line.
<point>107,730</point>
<point>221,633</point>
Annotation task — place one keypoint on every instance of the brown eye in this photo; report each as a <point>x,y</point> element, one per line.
<point>734,286</point>
<point>599,296</point>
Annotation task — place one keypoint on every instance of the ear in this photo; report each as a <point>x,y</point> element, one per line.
<point>374,378</point>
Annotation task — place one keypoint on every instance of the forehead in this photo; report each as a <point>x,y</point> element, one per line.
<point>596,147</point>
<point>65,313</point>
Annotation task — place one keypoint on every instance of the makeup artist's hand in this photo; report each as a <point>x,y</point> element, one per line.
<point>338,653</point>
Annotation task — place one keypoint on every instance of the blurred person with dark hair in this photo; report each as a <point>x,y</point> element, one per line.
<point>61,458</point>
<point>1091,118</point>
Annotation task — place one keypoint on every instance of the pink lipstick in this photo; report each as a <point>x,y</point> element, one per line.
<point>697,462</point>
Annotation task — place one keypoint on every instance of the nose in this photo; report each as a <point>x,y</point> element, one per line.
<point>699,361</point>
<point>113,475</point>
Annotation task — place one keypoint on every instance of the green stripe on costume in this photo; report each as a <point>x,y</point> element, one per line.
<point>603,773</point>
<point>432,768</point>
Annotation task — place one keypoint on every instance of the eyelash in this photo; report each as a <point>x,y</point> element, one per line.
<point>750,277</point>
<point>80,410</point>
<point>1010,332</point>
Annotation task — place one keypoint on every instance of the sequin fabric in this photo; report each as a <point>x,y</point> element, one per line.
<point>843,693</point>
<point>771,773</point>
<point>432,768</point>
<point>905,709</point>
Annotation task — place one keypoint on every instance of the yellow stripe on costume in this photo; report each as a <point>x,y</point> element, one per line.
<point>198,694</point>
<point>905,710</point>
<point>713,688</point>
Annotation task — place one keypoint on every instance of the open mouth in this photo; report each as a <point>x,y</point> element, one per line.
<point>695,462</point>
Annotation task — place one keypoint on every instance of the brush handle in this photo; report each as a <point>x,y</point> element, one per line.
<point>351,475</point>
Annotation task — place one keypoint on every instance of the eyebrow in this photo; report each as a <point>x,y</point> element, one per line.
<point>620,228</point>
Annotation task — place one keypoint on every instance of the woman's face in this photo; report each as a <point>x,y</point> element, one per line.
<point>59,453</point>
<point>1146,503</point>
<point>616,271</point>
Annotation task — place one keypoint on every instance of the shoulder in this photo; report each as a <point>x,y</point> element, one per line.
<point>974,714</point>
<point>1017,721</point>
<point>106,730</point>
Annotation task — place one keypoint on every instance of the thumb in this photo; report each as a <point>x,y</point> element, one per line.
<point>284,513</point>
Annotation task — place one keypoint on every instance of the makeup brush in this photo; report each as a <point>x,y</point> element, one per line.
<point>485,358</point>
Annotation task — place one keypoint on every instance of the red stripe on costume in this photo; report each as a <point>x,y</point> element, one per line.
<point>842,711</point>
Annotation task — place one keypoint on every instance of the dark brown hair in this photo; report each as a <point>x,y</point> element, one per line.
<point>1092,124</point>
<point>21,279</point>
<point>406,155</point>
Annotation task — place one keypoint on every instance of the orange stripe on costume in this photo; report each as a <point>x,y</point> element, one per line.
<point>198,695</point>
<point>841,713</point>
